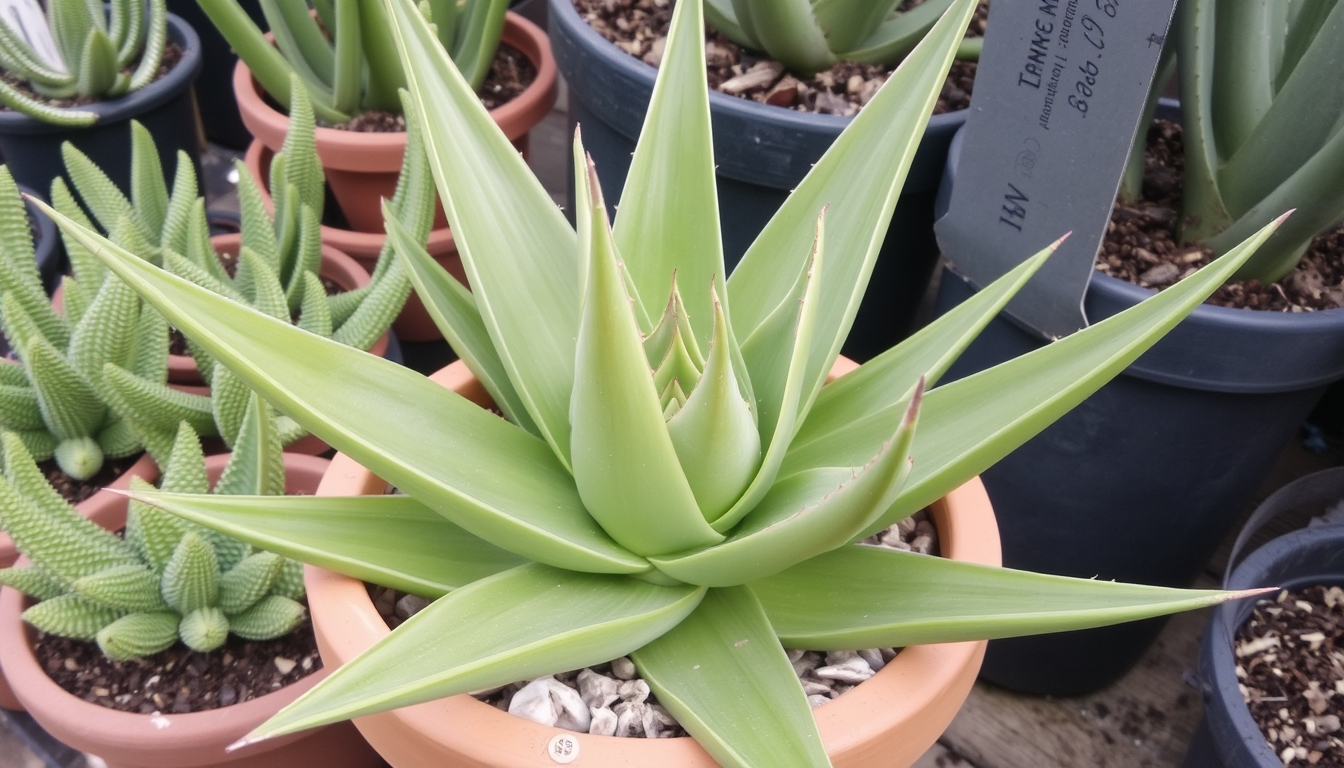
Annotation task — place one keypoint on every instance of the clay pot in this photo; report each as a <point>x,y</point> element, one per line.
<point>127,740</point>
<point>888,721</point>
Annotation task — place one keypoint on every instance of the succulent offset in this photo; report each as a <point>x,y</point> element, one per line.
<point>343,50</point>
<point>808,36</point>
<point>167,579</point>
<point>97,49</point>
<point>671,480</point>
<point>1262,107</point>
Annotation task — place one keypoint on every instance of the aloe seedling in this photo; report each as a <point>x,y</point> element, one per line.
<point>95,47</point>
<point>342,50</point>
<point>1262,106</point>
<point>807,36</point>
<point>167,579</point>
<point>672,480</point>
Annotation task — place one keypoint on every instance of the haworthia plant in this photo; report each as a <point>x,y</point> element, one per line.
<point>167,579</point>
<point>1262,107</point>
<point>671,477</point>
<point>341,51</point>
<point>104,53</point>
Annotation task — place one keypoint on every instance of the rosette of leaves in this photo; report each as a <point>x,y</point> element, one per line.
<point>277,274</point>
<point>671,480</point>
<point>342,50</point>
<point>167,579</point>
<point>1262,111</point>
<point>104,53</point>
<point>808,36</point>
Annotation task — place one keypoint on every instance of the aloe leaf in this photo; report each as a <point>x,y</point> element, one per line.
<point>347,76</point>
<point>391,540</point>
<point>522,623</point>
<point>477,38</point>
<point>778,353</point>
<point>517,249</point>
<point>1244,64</point>
<point>676,231</point>
<point>846,22</point>
<point>896,36</point>
<point>383,78</point>
<point>714,433</point>
<point>721,16</point>
<point>894,598</point>
<point>1202,210</point>
<point>454,311</point>
<point>301,41</point>
<point>803,515</point>
<point>625,465</point>
<point>860,177</point>
<point>392,420</point>
<point>724,676</point>
<point>984,417</point>
<point>789,32</point>
<point>878,388</point>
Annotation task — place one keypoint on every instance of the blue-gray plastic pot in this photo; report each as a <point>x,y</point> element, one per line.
<point>1228,736</point>
<point>167,107</point>
<point>761,153</point>
<point>1142,481</point>
<point>219,109</point>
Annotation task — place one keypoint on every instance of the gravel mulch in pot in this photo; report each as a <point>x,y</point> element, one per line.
<point>1291,667</point>
<point>1141,246</point>
<point>612,700</point>
<point>172,54</point>
<point>639,27</point>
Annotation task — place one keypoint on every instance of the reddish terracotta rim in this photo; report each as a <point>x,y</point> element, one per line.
<point>888,721</point>
<point>351,151</point>
<point>160,740</point>
<point>336,266</point>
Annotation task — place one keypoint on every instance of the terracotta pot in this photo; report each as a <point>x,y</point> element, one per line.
<point>414,322</point>
<point>888,721</point>
<point>361,168</point>
<point>127,740</point>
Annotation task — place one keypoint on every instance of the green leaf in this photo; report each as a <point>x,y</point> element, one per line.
<point>788,30</point>
<point>256,467</point>
<point>138,635</point>
<point>70,407</point>
<point>390,540</point>
<point>149,193</point>
<point>503,484</point>
<point>724,676</point>
<point>846,22</point>
<point>191,578</point>
<point>125,588</point>
<point>204,629</point>
<point>517,249</point>
<point>523,623</point>
<point>31,581</point>
<point>70,616</point>
<point>271,616</point>
<point>625,465</point>
<point>248,581</point>
<point>895,598</point>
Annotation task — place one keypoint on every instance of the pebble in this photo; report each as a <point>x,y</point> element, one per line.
<point>623,668</point>
<point>409,605</point>
<point>284,665</point>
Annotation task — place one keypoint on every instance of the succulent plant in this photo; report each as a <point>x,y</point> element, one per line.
<point>807,36</point>
<point>343,51</point>
<point>1262,107</point>
<point>167,579</point>
<point>675,486</point>
<point>96,47</point>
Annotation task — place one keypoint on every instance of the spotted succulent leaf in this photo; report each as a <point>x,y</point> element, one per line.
<point>106,332</point>
<point>204,629</point>
<point>314,311</point>
<point>137,635</point>
<point>149,193</point>
<point>181,204</point>
<point>125,587</point>
<point>149,345</point>
<point>119,439</point>
<point>71,616</point>
<point>31,581</point>
<point>249,581</point>
<point>153,533</point>
<point>380,307</point>
<point>155,405</point>
<point>290,581</point>
<point>260,283</point>
<point>258,231</point>
<point>256,467</point>
<point>191,578</point>
<point>307,256</point>
<point>83,264</point>
<point>189,269</point>
<point>99,194</point>
<point>71,408</point>
<point>38,318</point>
<point>19,409</point>
<point>270,617</point>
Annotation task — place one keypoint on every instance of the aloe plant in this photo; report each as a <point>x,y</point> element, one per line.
<point>1262,107</point>
<point>103,54</point>
<point>343,51</point>
<point>668,474</point>
<point>167,579</point>
<point>808,36</point>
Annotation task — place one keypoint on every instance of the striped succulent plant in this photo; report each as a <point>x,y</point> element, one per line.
<point>681,487</point>
<point>167,578</point>
<point>96,48</point>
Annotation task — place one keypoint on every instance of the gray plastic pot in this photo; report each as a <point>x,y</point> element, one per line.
<point>761,152</point>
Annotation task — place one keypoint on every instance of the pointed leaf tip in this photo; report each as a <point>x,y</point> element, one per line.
<point>1055,245</point>
<point>1277,221</point>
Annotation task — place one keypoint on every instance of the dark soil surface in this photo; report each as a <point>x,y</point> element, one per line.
<point>510,74</point>
<point>76,491</point>
<point>1141,246</point>
<point>172,54</point>
<point>639,27</point>
<point>1291,662</point>
<point>180,680</point>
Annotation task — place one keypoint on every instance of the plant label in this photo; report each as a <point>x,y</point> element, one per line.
<point>1058,95</point>
<point>28,21</point>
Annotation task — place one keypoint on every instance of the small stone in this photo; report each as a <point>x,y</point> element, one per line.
<point>574,714</point>
<point>656,723</point>
<point>874,658</point>
<point>813,685</point>
<point>922,544</point>
<point>817,700</point>
<point>852,671</point>
<point>228,695</point>
<point>101,692</point>
<point>71,665</point>
<point>597,691</point>
<point>534,703</point>
<point>761,75</point>
<point>623,669</point>
<point>603,722</point>
<point>1162,274</point>
<point>633,691</point>
<point>854,84</point>
<point>630,718</point>
<point>285,666</point>
<point>1317,701</point>
<point>906,526</point>
<point>794,654</point>
<point>806,663</point>
<point>654,56</point>
<point>409,605</point>
<point>385,601</point>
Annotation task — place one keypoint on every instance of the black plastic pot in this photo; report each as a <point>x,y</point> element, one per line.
<point>219,110</point>
<point>1142,481</point>
<point>1227,736</point>
<point>167,107</point>
<point>761,153</point>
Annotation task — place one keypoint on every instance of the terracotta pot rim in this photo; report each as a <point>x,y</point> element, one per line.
<point>356,151</point>
<point>926,683</point>
<point>107,732</point>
